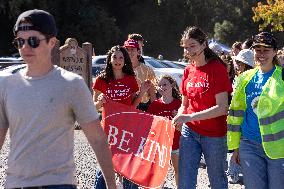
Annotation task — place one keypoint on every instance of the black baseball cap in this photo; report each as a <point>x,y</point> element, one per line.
<point>264,39</point>
<point>40,20</point>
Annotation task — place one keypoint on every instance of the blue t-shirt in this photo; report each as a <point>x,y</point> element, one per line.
<point>250,126</point>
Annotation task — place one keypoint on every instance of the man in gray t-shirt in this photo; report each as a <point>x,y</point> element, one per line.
<point>39,105</point>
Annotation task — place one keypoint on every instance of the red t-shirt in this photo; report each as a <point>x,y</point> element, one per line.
<point>200,85</point>
<point>159,108</point>
<point>119,90</point>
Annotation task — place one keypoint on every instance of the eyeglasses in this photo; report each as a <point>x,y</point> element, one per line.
<point>32,41</point>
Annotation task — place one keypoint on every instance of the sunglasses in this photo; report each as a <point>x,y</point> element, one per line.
<point>32,41</point>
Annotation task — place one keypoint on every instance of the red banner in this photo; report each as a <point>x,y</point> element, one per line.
<point>140,143</point>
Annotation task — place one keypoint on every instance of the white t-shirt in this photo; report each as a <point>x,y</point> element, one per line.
<point>40,114</point>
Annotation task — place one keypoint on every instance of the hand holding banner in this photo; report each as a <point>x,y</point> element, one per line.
<point>140,143</point>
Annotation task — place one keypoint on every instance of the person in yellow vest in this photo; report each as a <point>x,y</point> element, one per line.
<point>256,118</point>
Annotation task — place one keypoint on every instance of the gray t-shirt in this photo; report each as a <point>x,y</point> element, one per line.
<point>40,114</point>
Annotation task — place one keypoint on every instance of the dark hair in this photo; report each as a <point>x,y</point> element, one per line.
<point>276,60</point>
<point>247,43</point>
<point>248,67</point>
<point>197,34</point>
<point>136,37</point>
<point>107,75</point>
<point>175,92</point>
<point>229,62</point>
<point>237,45</point>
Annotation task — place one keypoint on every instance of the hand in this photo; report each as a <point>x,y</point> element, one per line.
<point>102,99</point>
<point>236,156</point>
<point>145,86</point>
<point>181,118</point>
<point>174,113</point>
<point>178,126</point>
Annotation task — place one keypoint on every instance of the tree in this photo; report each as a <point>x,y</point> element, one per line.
<point>84,20</point>
<point>271,15</point>
<point>222,31</point>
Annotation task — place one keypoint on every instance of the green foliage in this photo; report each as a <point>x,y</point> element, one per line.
<point>222,31</point>
<point>270,15</point>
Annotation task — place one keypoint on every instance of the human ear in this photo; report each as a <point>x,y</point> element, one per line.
<point>52,41</point>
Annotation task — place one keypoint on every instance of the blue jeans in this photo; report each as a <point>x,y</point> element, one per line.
<point>100,182</point>
<point>259,170</point>
<point>192,145</point>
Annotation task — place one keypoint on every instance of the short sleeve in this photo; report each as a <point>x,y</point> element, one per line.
<point>82,103</point>
<point>221,79</point>
<point>182,87</point>
<point>97,84</point>
<point>135,86</point>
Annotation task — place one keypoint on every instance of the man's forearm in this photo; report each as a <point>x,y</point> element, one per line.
<point>98,141</point>
<point>104,158</point>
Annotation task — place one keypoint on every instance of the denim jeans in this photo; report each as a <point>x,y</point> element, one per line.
<point>100,182</point>
<point>259,170</point>
<point>192,145</point>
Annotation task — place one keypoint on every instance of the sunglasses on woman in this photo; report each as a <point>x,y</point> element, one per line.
<point>32,41</point>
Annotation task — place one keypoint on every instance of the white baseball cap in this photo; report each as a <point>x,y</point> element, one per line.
<point>245,56</point>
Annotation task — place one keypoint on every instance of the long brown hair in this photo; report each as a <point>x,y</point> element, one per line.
<point>175,92</point>
<point>197,34</point>
<point>107,75</point>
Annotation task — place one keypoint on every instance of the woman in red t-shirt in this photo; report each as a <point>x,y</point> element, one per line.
<point>205,87</point>
<point>167,106</point>
<point>117,82</point>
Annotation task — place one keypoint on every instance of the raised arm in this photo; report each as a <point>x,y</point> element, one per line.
<point>145,86</point>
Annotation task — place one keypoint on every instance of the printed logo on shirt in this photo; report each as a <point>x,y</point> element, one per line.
<point>118,92</point>
<point>198,84</point>
<point>254,103</point>
<point>254,96</point>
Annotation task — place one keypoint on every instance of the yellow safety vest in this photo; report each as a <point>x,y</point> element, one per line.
<point>270,113</point>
